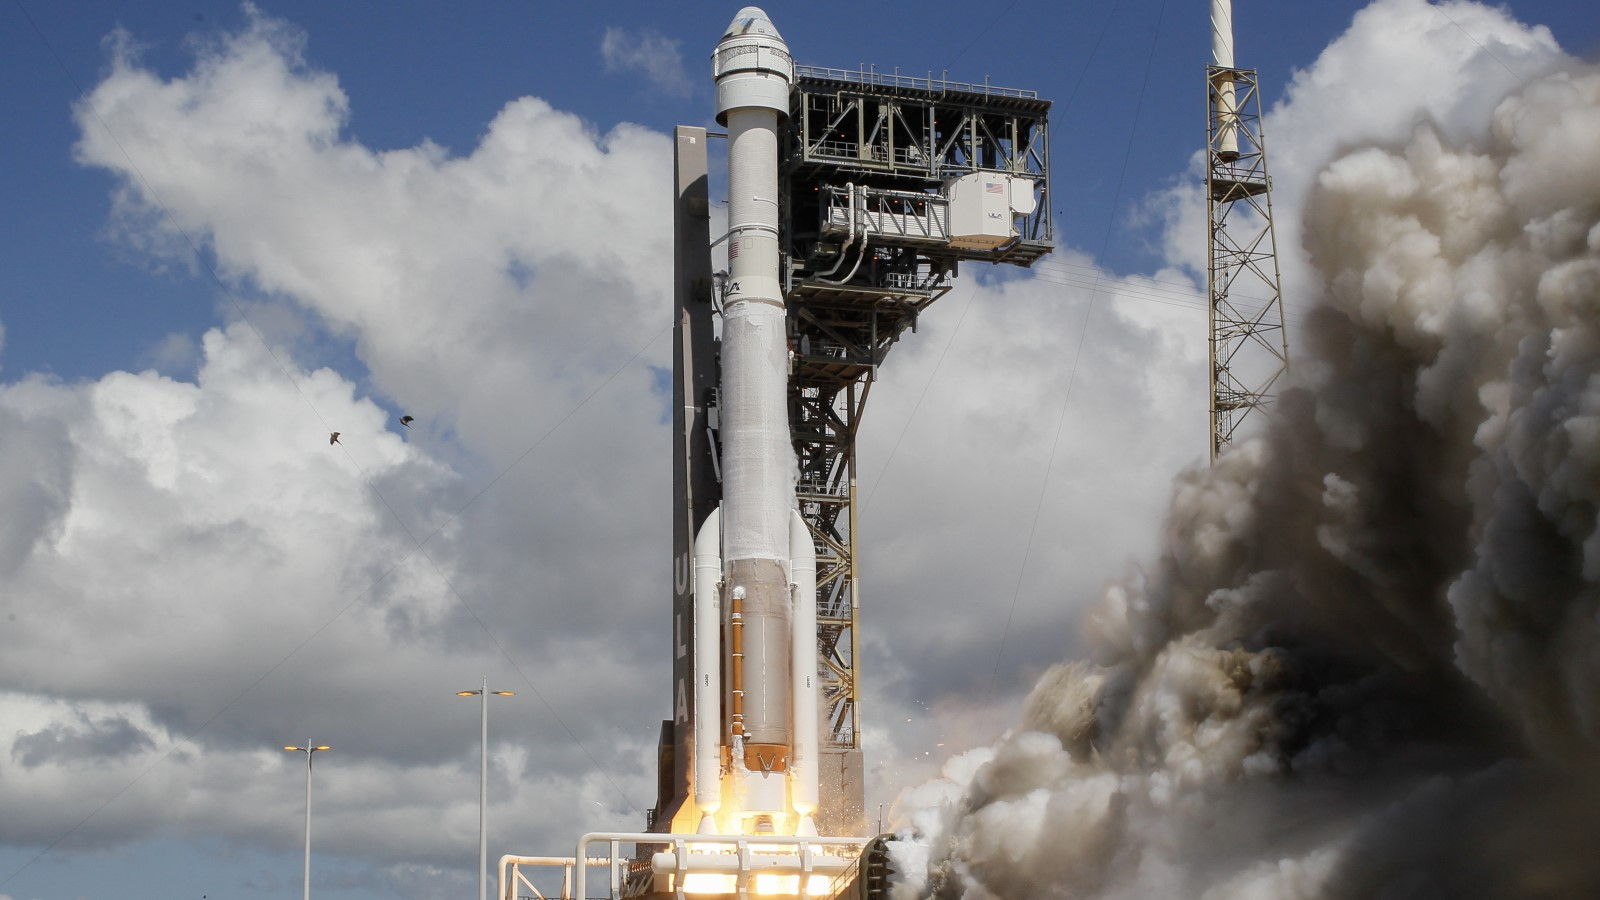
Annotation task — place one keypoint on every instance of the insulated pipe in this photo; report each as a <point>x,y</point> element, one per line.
<point>753,72</point>
<point>804,761</point>
<point>510,874</point>
<point>850,218</point>
<point>855,225</point>
<point>708,669</point>
<point>1227,137</point>
<point>736,667</point>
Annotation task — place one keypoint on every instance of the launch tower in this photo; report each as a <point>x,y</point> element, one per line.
<point>853,198</point>
<point>886,183</point>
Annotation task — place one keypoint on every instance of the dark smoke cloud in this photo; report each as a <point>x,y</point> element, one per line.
<point>1367,662</point>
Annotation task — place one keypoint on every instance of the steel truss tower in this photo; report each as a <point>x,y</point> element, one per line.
<point>1249,345</point>
<point>869,245</point>
<point>886,183</point>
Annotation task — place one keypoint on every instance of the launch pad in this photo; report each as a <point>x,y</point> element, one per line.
<point>853,199</point>
<point>886,184</point>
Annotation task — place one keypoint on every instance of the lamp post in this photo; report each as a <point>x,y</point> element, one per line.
<point>483,785</point>
<point>309,749</point>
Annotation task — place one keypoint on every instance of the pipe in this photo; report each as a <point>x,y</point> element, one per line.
<point>1227,112</point>
<point>736,666</point>
<point>850,217</point>
<point>504,885</point>
<point>855,225</point>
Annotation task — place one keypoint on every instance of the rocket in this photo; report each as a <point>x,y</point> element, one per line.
<point>755,767</point>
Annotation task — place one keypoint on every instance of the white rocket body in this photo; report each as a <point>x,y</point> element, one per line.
<point>761,619</point>
<point>708,667</point>
<point>1227,138</point>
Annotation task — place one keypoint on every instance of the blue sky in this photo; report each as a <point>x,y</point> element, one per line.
<point>1124,75</point>
<point>166,472</point>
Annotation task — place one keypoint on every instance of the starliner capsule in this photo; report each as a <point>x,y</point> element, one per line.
<point>754,562</point>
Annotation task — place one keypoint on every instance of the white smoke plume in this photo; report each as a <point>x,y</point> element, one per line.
<point>1367,662</point>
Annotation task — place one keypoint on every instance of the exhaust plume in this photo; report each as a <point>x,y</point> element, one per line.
<point>1367,662</point>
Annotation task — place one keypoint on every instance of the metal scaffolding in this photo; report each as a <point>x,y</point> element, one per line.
<point>868,246</point>
<point>879,181</point>
<point>1249,344</point>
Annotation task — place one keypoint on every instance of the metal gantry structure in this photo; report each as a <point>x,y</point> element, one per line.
<point>886,184</point>
<point>870,243</point>
<point>1249,344</point>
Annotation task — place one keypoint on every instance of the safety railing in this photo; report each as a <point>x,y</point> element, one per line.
<point>910,82</point>
<point>818,487</point>
<point>897,216</point>
<point>511,880</point>
<point>739,866</point>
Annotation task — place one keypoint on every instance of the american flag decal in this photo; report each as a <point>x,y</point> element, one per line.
<point>733,249</point>
<point>993,187</point>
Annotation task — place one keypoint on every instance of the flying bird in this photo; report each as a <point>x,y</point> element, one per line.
<point>407,420</point>
<point>333,439</point>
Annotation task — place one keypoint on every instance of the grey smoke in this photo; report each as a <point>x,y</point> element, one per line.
<point>1367,662</point>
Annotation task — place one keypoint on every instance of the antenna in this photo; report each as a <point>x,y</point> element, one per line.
<point>1249,345</point>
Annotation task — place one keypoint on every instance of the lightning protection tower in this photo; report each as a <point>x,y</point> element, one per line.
<point>1249,345</point>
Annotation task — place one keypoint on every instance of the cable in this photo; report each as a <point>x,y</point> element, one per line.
<point>1124,290</point>
<point>1146,283</point>
<point>1439,8</point>
<point>188,738</point>
<point>924,393</point>
<point>906,426</point>
<point>985,30</point>
<point>1072,372</point>
<point>1093,52</point>
<point>418,546</point>
<point>489,633</point>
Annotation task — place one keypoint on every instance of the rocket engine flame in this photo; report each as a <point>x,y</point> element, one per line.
<point>1367,662</point>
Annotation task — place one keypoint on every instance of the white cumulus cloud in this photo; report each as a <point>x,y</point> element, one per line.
<point>648,53</point>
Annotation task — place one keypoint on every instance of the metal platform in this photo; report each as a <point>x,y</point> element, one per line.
<point>651,866</point>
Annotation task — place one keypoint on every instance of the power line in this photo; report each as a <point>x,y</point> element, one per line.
<point>1439,8</point>
<point>906,426</point>
<point>418,545</point>
<point>883,471</point>
<point>1145,283</point>
<point>981,32</point>
<point>1077,357</point>
<point>1123,291</point>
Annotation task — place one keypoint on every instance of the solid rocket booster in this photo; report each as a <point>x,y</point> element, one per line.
<point>764,602</point>
<point>1222,56</point>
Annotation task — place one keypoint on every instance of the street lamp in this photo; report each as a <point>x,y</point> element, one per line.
<point>308,750</point>
<point>483,786</point>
